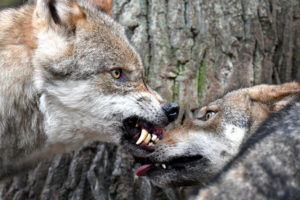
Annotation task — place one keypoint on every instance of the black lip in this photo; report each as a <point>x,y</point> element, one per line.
<point>129,127</point>
<point>176,164</point>
<point>181,162</point>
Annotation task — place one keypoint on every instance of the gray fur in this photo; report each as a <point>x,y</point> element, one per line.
<point>268,166</point>
<point>195,152</point>
<point>56,87</point>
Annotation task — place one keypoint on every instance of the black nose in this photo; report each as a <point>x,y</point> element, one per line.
<point>171,110</point>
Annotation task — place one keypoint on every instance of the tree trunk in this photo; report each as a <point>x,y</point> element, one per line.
<point>193,52</point>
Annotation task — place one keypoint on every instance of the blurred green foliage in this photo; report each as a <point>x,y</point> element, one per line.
<point>5,3</point>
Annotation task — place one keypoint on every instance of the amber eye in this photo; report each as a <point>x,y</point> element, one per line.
<point>209,114</point>
<point>116,73</point>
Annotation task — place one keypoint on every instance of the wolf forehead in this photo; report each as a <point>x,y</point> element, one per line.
<point>94,43</point>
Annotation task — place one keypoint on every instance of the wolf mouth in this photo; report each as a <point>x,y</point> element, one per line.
<point>177,164</point>
<point>142,134</point>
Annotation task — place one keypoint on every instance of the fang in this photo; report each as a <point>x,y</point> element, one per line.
<point>142,137</point>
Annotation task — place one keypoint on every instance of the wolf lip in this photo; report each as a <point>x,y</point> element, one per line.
<point>176,163</point>
<point>142,133</point>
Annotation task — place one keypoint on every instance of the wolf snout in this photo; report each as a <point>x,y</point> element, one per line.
<point>171,110</point>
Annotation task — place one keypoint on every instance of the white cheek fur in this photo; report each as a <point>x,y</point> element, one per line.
<point>234,133</point>
<point>51,45</point>
<point>74,109</point>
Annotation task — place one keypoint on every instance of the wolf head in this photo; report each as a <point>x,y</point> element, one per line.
<point>90,79</point>
<point>196,151</point>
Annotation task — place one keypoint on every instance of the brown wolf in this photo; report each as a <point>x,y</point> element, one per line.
<point>68,74</point>
<point>198,150</point>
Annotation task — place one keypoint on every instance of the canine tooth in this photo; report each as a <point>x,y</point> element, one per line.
<point>142,137</point>
<point>136,125</point>
<point>157,139</point>
<point>154,137</point>
<point>148,138</point>
<point>164,166</point>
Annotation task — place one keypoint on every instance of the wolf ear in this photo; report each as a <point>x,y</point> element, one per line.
<point>276,96</point>
<point>104,5</point>
<point>58,13</point>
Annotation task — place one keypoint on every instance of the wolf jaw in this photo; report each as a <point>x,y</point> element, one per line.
<point>142,136</point>
<point>141,133</point>
<point>183,163</point>
<point>198,150</point>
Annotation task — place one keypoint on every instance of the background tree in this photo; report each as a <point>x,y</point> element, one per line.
<point>193,51</point>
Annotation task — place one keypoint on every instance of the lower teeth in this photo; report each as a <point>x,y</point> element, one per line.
<point>151,144</point>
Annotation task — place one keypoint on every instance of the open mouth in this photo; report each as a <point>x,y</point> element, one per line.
<point>163,167</point>
<point>142,134</point>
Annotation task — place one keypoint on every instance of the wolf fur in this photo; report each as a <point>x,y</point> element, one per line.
<point>198,150</point>
<point>268,165</point>
<point>56,86</point>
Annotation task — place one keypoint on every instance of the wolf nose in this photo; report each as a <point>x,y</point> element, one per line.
<point>171,110</point>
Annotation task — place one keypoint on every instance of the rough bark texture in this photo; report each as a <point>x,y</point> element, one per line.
<point>193,51</point>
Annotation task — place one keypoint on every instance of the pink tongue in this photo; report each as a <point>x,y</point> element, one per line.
<point>142,171</point>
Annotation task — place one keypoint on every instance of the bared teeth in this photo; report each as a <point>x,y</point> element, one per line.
<point>164,166</point>
<point>148,138</point>
<point>142,137</point>
<point>154,137</point>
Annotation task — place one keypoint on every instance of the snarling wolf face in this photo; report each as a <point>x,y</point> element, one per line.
<point>196,151</point>
<point>92,80</point>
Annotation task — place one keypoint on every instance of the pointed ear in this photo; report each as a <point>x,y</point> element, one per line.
<point>58,14</point>
<point>276,96</point>
<point>104,5</point>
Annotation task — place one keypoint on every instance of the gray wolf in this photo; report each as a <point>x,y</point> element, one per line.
<point>267,167</point>
<point>198,150</point>
<point>68,74</point>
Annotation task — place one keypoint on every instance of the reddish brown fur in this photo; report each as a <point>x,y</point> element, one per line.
<point>105,5</point>
<point>266,100</point>
<point>177,135</point>
<point>77,14</point>
<point>271,93</point>
<point>22,34</point>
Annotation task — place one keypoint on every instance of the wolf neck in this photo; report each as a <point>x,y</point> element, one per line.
<point>20,117</point>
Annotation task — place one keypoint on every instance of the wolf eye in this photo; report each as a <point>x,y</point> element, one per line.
<point>116,73</point>
<point>209,114</point>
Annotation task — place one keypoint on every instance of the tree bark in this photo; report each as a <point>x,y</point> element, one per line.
<point>193,52</point>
